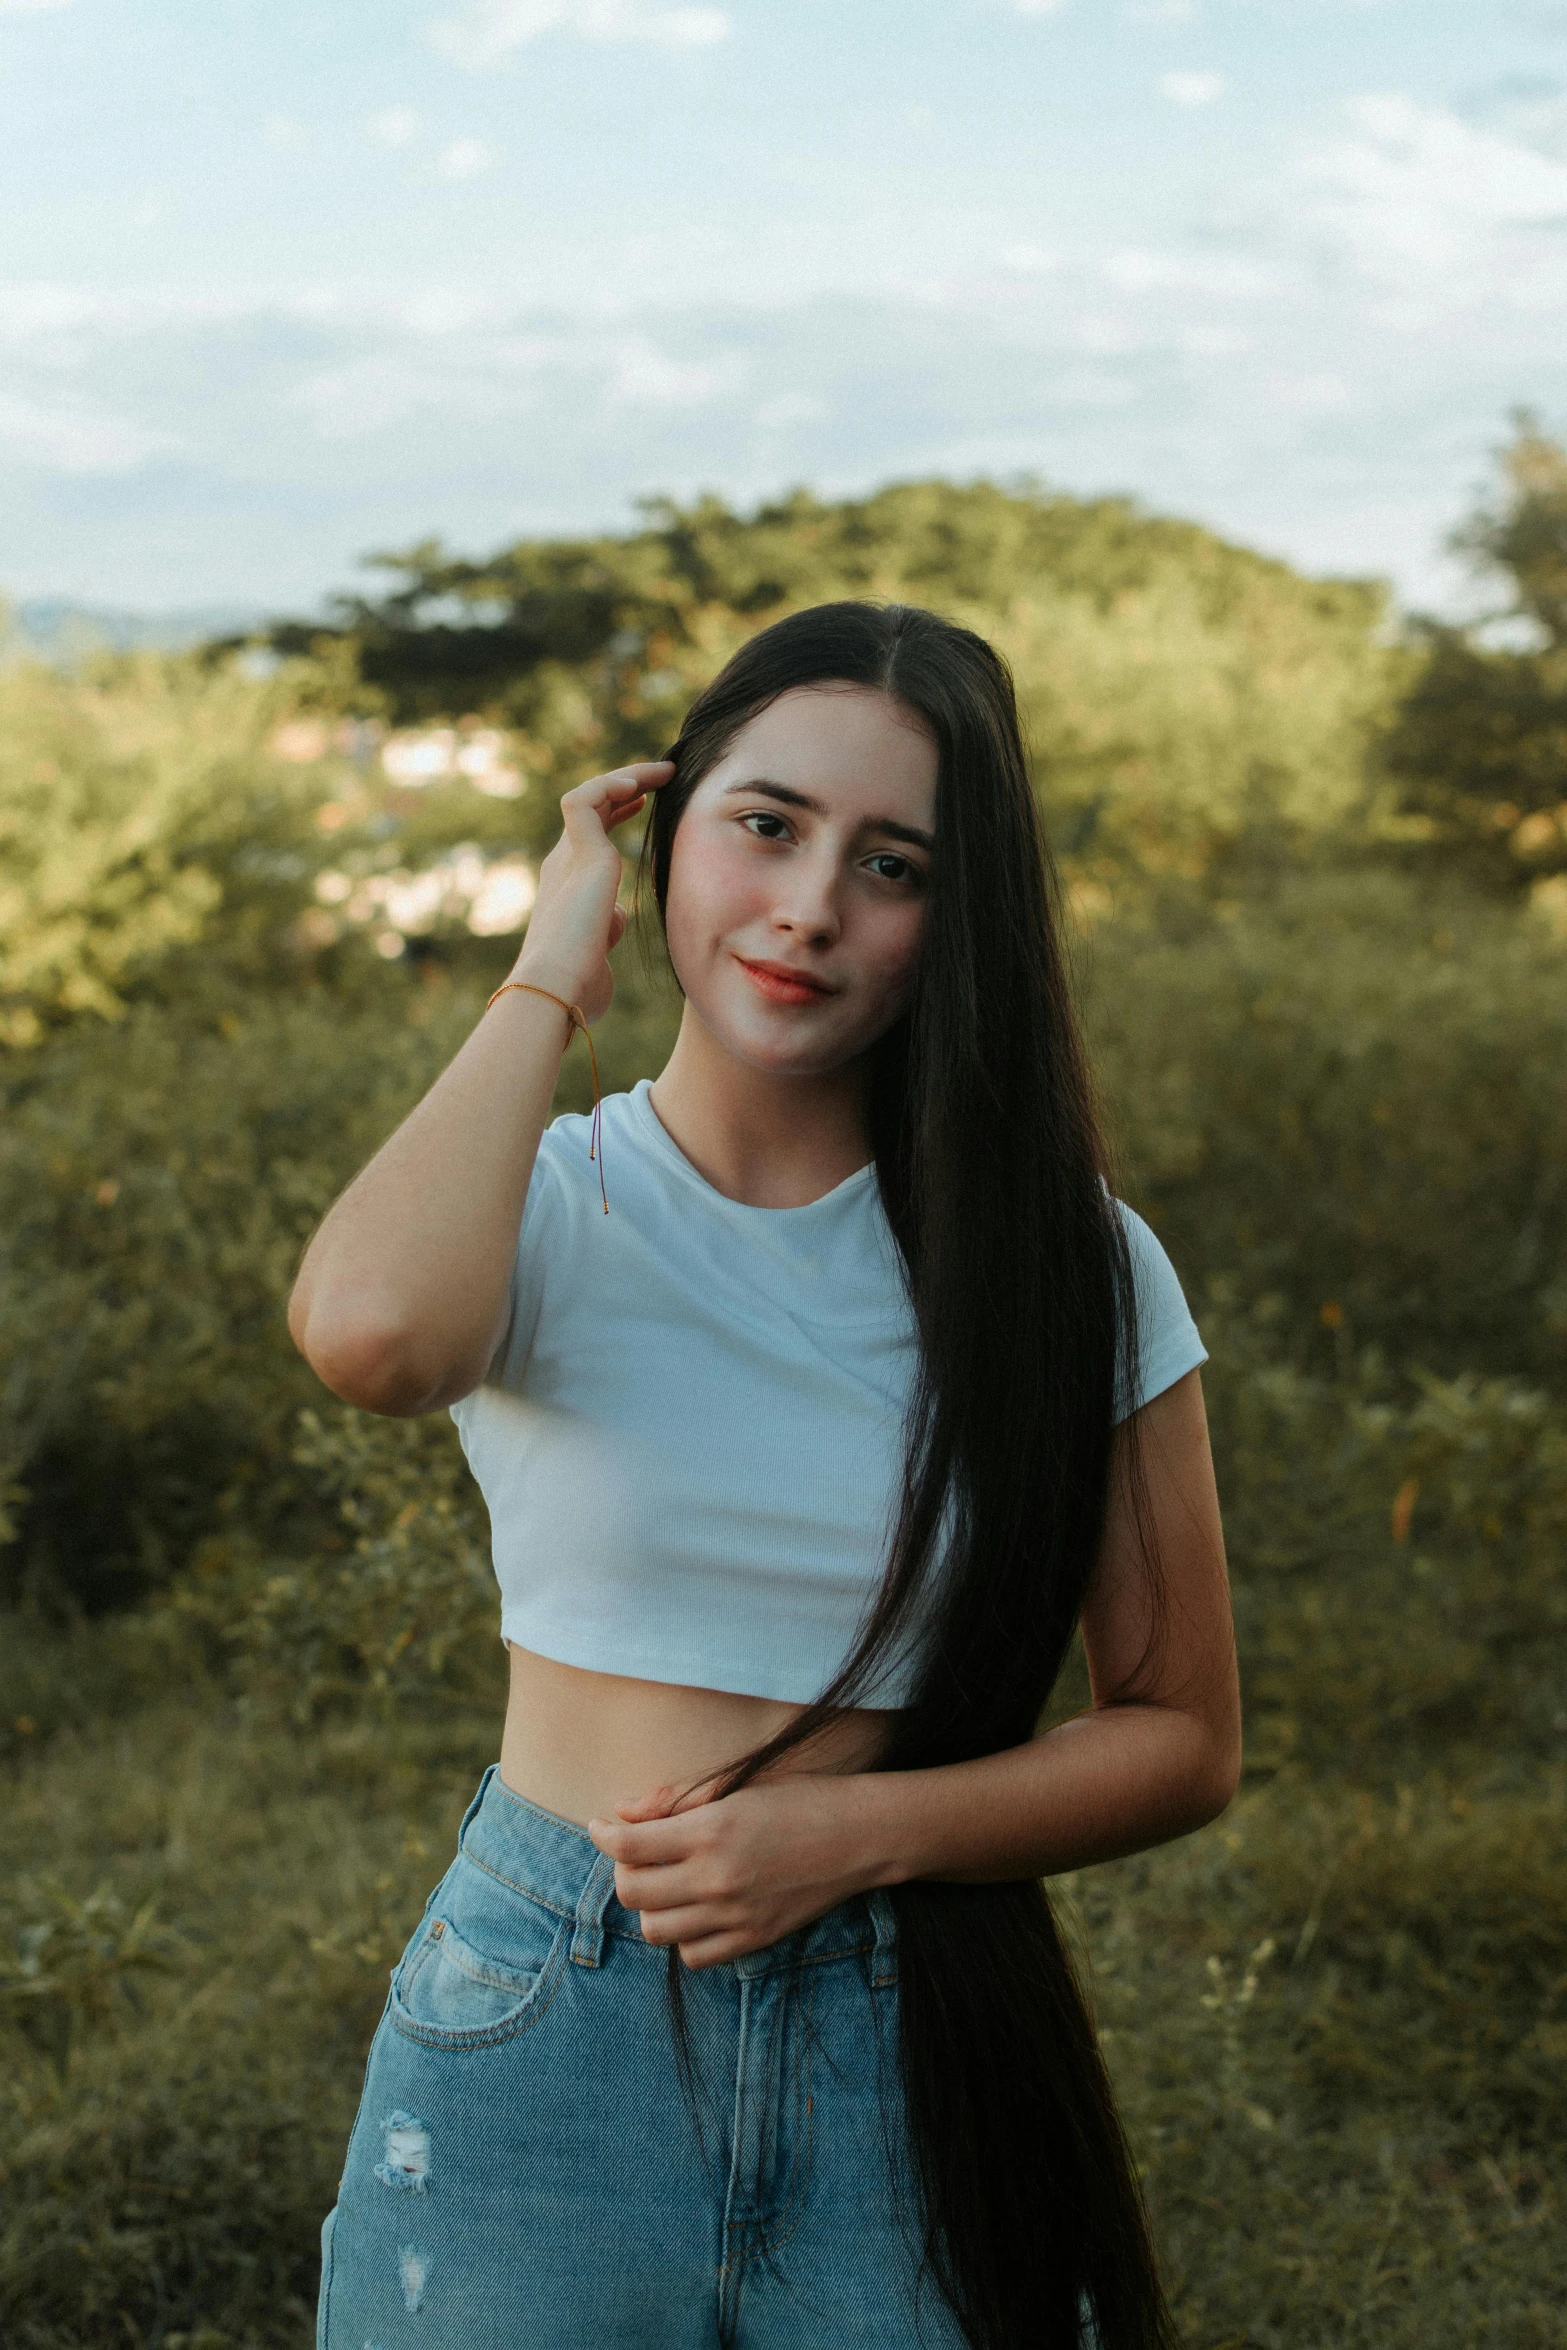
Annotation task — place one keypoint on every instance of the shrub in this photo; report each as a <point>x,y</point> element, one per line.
<point>1398,1551</point>
<point>1330,1087</point>
<point>158,1182</point>
<point>142,812</point>
<point>409,1616</point>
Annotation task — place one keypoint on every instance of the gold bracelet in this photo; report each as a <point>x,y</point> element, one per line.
<point>577,1018</point>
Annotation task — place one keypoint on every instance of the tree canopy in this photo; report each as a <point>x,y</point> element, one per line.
<point>1177,689</point>
<point>1478,752</point>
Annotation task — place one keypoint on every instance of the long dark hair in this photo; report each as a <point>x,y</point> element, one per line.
<point>992,1171</point>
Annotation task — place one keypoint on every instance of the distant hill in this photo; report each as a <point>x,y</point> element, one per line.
<point>53,628</point>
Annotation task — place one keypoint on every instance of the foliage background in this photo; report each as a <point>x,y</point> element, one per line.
<point>1316,866</point>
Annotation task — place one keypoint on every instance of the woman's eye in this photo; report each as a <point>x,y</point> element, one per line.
<point>766,825</point>
<point>889,867</point>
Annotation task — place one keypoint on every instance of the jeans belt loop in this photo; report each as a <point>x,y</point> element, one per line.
<point>587,1943</point>
<point>884,1956</point>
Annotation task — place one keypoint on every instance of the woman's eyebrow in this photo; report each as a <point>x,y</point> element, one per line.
<point>768,790</point>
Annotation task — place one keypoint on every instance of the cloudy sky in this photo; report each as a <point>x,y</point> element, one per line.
<point>284,282</point>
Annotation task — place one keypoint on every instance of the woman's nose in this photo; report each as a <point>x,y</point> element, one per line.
<point>807,906</point>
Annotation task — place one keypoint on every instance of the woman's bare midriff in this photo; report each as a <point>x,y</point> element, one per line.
<point>578,1743</point>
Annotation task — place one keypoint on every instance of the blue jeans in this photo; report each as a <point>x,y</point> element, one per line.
<point>530,2171</point>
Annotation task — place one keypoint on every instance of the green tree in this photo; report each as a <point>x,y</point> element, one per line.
<point>1479,749</point>
<point>1179,691</point>
<point>141,809</point>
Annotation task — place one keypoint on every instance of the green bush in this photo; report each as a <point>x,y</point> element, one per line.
<point>143,813</point>
<point>1331,1087</point>
<point>406,1616</point>
<point>158,1182</point>
<point>70,1959</point>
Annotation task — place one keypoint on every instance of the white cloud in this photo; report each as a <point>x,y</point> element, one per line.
<point>447,310</point>
<point>372,392</point>
<point>1213,342</point>
<point>465,159</point>
<point>1086,387</point>
<point>1421,195</point>
<point>487,369</point>
<point>30,312</point>
<point>1192,89</point>
<point>1161,11</point>
<point>1106,335</point>
<point>486,31</point>
<point>365,416</point>
<point>64,440</point>
<point>41,313</point>
<point>396,126</point>
<point>1533,113</point>
<point>389,386</point>
<point>1138,272</point>
<point>1030,260</point>
<point>789,408</point>
<point>1318,393</point>
<point>646,377</point>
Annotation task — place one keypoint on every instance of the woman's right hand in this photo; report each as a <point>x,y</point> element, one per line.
<point>575,919</point>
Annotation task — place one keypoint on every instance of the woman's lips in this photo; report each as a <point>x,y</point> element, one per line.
<point>782,985</point>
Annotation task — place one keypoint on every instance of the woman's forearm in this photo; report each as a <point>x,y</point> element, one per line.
<point>722,1877</point>
<point>401,1296</point>
<point>1104,1784</point>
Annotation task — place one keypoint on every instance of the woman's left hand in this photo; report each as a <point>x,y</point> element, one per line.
<point>721,1877</point>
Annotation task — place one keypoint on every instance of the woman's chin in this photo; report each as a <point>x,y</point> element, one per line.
<point>784,1059</point>
<point>781,1043</point>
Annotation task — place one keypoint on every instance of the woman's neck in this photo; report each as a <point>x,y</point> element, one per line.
<point>765,1140</point>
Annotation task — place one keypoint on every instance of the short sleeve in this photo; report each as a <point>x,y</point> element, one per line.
<point>1168,1345</point>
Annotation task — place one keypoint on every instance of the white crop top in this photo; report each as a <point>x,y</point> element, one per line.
<point>690,1439</point>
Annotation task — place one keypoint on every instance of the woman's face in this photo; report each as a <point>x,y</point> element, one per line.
<point>798,878</point>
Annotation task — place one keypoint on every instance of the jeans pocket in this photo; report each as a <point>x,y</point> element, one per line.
<point>482,1965</point>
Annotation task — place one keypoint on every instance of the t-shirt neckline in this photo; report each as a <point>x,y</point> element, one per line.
<point>658,1134</point>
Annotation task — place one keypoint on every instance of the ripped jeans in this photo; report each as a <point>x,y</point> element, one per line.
<point>530,2170</point>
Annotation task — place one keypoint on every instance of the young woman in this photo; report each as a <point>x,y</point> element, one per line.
<point>741,2017</point>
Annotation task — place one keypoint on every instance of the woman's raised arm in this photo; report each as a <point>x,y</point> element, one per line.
<point>401,1298</point>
